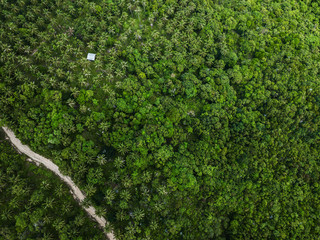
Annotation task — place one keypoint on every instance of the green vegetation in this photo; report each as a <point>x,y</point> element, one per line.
<point>197,120</point>
<point>35,205</point>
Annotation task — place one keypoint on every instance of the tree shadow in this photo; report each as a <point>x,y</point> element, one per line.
<point>2,135</point>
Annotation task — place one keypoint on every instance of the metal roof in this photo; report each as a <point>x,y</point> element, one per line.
<point>91,56</point>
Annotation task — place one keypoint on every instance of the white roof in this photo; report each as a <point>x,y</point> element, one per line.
<point>91,56</point>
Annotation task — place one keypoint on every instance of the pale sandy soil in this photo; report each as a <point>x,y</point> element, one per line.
<point>38,159</point>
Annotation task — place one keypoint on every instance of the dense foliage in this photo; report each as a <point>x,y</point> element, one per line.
<point>35,205</point>
<point>197,120</point>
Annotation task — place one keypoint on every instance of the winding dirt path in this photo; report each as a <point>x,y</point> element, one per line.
<point>38,159</point>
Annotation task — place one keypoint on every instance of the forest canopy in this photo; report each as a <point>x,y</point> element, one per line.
<point>197,119</point>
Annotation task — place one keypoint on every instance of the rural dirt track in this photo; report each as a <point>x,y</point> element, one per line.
<point>77,194</point>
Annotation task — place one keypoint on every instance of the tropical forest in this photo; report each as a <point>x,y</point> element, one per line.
<point>159,119</point>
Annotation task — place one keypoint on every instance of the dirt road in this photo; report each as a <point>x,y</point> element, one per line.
<point>77,194</point>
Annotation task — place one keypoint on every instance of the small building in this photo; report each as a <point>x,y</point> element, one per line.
<point>91,56</point>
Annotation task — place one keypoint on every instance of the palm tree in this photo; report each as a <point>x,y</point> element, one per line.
<point>110,77</point>
<point>100,211</point>
<point>162,190</point>
<point>24,61</point>
<point>138,214</point>
<point>66,140</point>
<point>138,11</point>
<point>59,224</point>
<point>59,190</point>
<point>155,34</point>
<point>38,55</point>
<point>146,177</point>
<point>15,203</point>
<point>77,52</point>
<point>170,10</point>
<point>111,30</point>
<point>123,38</point>
<point>19,75</point>
<point>101,159</point>
<point>86,73</point>
<point>79,220</point>
<point>104,126</point>
<point>122,148</point>
<point>53,82</point>
<point>47,236</point>
<point>74,92</point>
<point>66,208</point>
<point>119,73</point>
<point>98,64</point>
<point>60,73</point>
<point>33,29</point>
<point>130,7</point>
<point>7,214</point>
<point>45,185</point>
<point>5,3</point>
<point>119,162</point>
<point>82,169</point>
<point>159,206</point>
<point>82,81</point>
<point>138,34</point>
<point>127,182</point>
<point>155,56</point>
<point>109,196</point>
<point>121,215</point>
<point>49,203</point>
<point>125,195</point>
<point>90,190</point>
<point>106,89</point>
<point>124,65</point>
<point>130,231</point>
<point>83,109</point>
<point>71,103</point>
<point>47,219</point>
<point>91,44</point>
<point>73,232</point>
<point>114,176</point>
<point>153,225</point>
